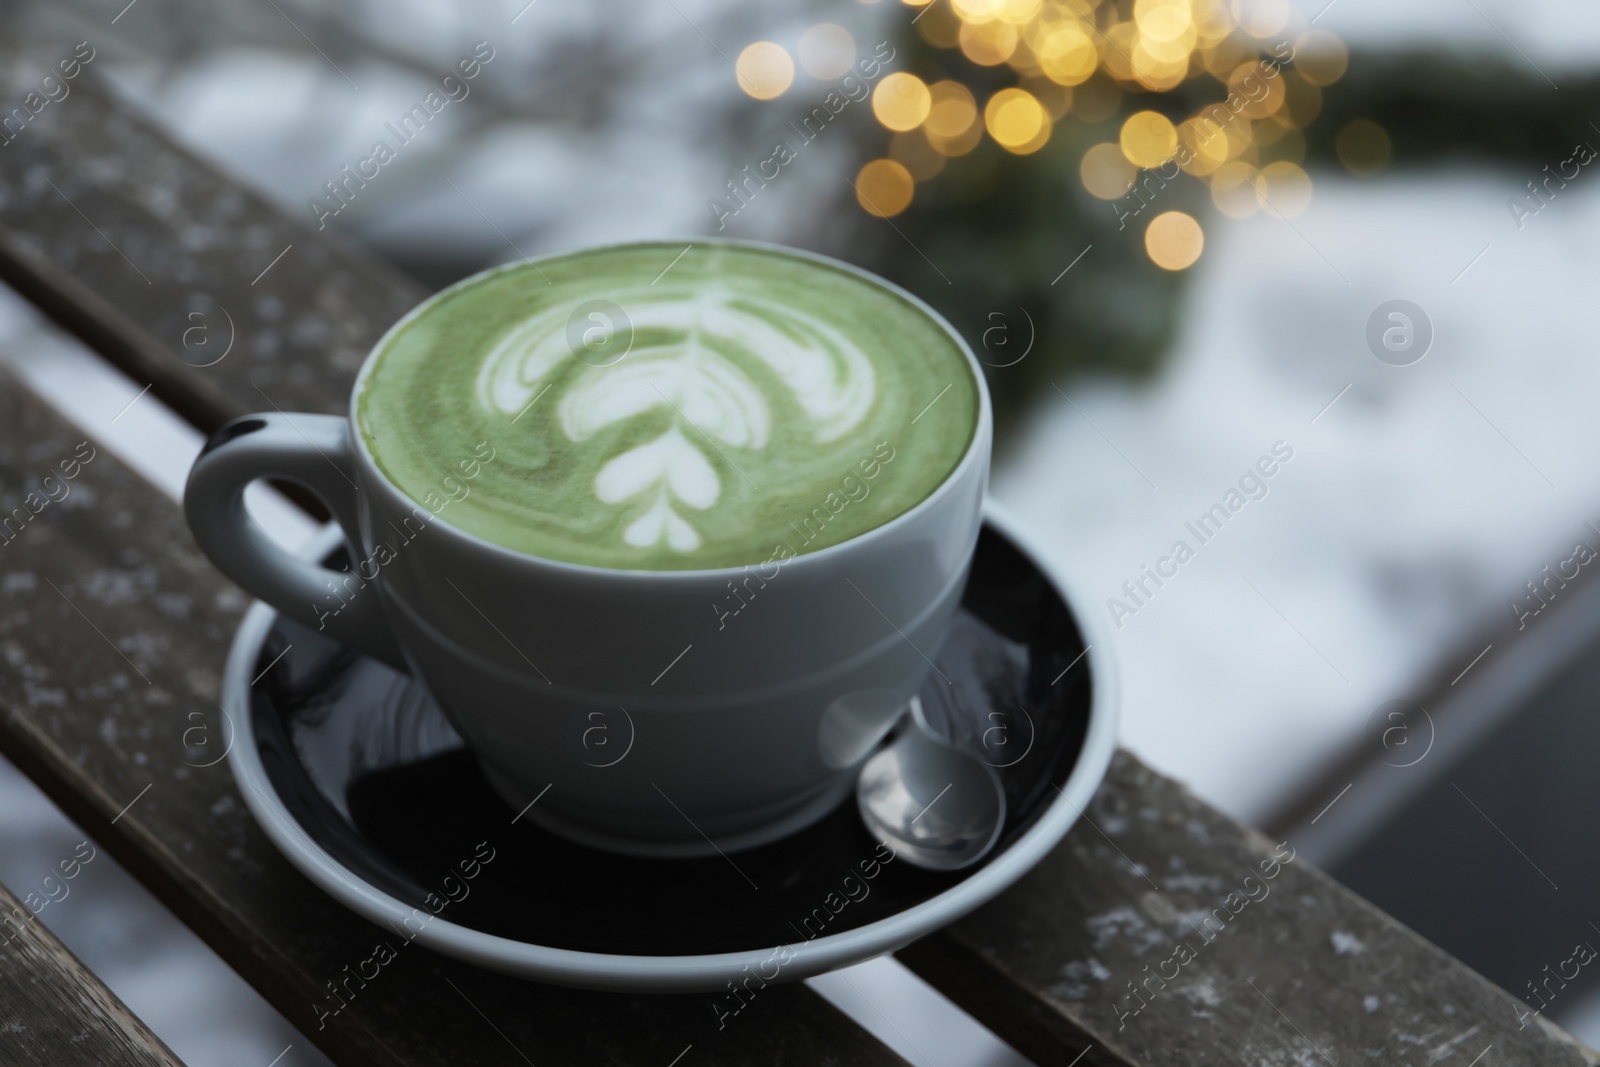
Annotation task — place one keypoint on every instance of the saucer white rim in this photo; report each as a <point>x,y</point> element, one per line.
<point>594,970</point>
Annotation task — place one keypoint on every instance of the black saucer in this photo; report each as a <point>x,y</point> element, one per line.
<point>362,760</point>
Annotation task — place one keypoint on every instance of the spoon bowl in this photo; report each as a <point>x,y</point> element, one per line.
<point>938,807</point>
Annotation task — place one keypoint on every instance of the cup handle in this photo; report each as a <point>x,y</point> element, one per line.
<point>314,451</point>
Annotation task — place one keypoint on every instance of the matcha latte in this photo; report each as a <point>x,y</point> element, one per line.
<point>651,408</point>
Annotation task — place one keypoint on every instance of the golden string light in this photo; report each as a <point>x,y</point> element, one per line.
<point>764,70</point>
<point>1106,172</point>
<point>1017,120</point>
<point>1258,65</point>
<point>1174,240</point>
<point>952,109</point>
<point>884,187</point>
<point>1148,139</point>
<point>901,102</point>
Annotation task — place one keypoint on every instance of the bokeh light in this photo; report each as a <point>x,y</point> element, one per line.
<point>884,187</point>
<point>1174,240</point>
<point>827,51</point>
<point>952,111</point>
<point>1155,72</point>
<point>1164,20</point>
<point>1238,126</point>
<point>973,11</point>
<point>1148,139</point>
<point>1106,172</point>
<point>1066,53</point>
<point>988,44</point>
<point>1262,95</point>
<point>1016,119</point>
<point>1284,189</point>
<point>764,70</point>
<point>1212,20</point>
<point>901,101</point>
<point>1116,50</point>
<point>1020,12</point>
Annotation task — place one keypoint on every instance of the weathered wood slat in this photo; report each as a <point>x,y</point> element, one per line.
<point>54,1012</point>
<point>113,638</point>
<point>160,263</point>
<point>1282,965</point>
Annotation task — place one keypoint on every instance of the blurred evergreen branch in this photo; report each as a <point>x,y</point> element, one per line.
<point>1455,107</point>
<point>994,243</point>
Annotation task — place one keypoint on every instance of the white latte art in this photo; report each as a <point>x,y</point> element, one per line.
<point>725,366</point>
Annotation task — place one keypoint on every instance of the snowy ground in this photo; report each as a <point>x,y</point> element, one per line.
<point>1413,507</point>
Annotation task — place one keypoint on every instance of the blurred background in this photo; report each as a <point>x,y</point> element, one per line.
<point>1180,234</point>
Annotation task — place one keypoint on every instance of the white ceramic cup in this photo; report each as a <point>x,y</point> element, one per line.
<point>631,708</point>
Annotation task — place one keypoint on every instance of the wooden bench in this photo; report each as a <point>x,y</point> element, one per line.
<point>115,628</point>
<point>52,1010</point>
